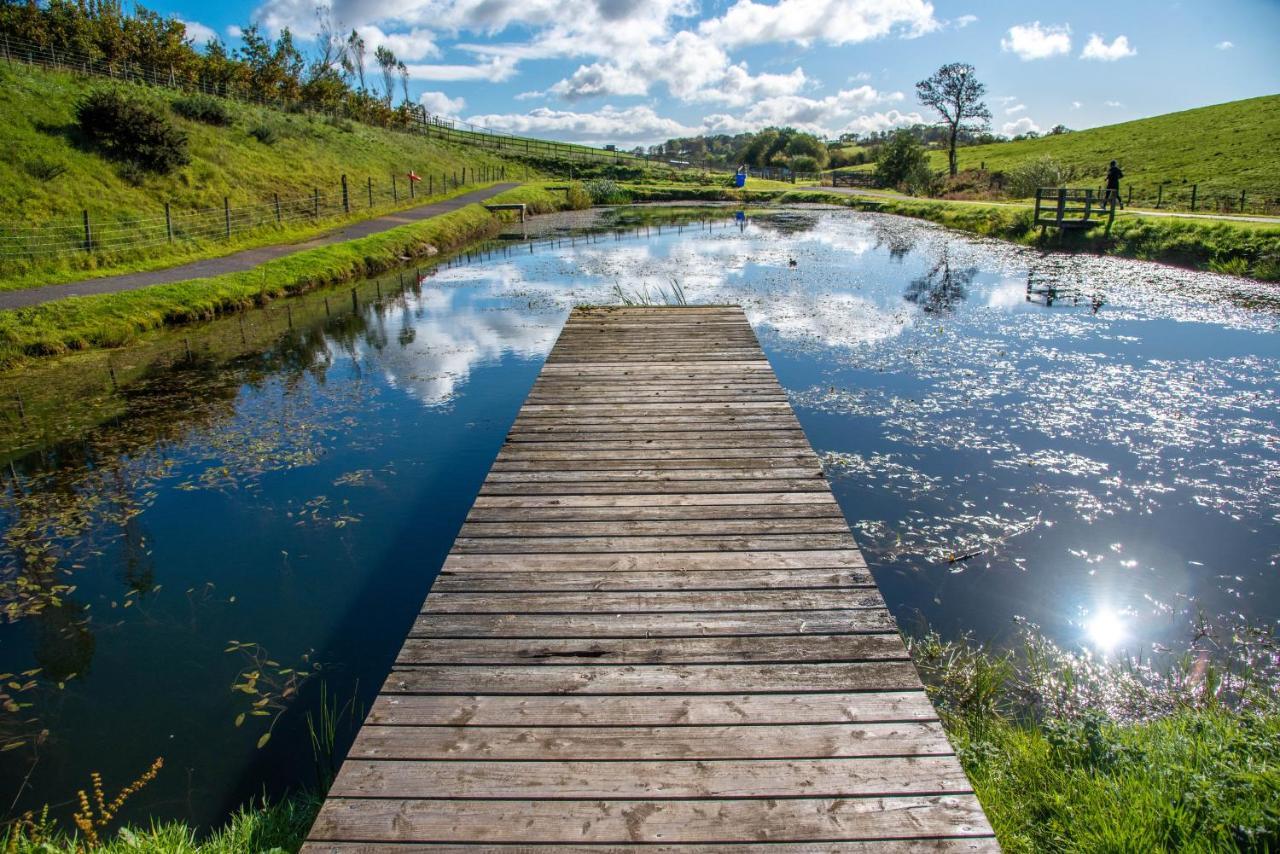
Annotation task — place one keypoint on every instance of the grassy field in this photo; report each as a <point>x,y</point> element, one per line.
<point>1224,149</point>
<point>52,176</point>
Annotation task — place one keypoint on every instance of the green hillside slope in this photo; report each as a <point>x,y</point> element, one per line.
<point>1224,149</point>
<point>49,176</point>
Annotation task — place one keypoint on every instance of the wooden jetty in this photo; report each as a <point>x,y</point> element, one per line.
<point>654,630</point>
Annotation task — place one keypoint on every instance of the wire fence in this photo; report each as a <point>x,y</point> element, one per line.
<point>418,119</point>
<point>94,234</point>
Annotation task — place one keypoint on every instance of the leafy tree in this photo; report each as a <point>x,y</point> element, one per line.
<point>956,94</point>
<point>900,159</point>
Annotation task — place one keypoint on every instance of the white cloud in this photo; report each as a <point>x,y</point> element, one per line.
<point>1020,126</point>
<point>234,32</point>
<point>1037,41</point>
<point>1016,108</point>
<point>691,67</point>
<point>1098,49</point>
<point>198,32</point>
<point>1075,105</point>
<point>1113,104</point>
<point>609,124</point>
<point>440,104</point>
<point>1224,45</point>
<point>833,21</point>
<point>964,21</point>
<point>494,70</point>
<point>412,46</point>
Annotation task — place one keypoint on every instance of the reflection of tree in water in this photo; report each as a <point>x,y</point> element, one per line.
<point>788,223</point>
<point>893,236</point>
<point>941,289</point>
<point>64,507</point>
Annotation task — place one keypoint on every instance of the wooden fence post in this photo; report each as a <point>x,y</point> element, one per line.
<point>1130,201</point>
<point>88,234</point>
<point>1194,189</point>
<point>1242,201</point>
<point>1159,195</point>
<point>1062,204</point>
<point>395,194</point>
<point>412,190</point>
<point>346,200</point>
<point>431,185</point>
<point>315,202</point>
<point>168,222</point>
<point>226,215</point>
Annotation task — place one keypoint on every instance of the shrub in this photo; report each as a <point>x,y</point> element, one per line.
<point>1024,179</point>
<point>131,131</point>
<point>900,158</point>
<point>42,169</point>
<point>922,181</point>
<point>603,191</point>
<point>805,163</point>
<point>203,108</point>
<point>265,134</point>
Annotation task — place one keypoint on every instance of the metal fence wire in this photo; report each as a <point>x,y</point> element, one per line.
<point>125,233</point>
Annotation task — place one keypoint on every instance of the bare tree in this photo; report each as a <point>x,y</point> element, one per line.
<point>404,79</point>
<point>333,50</point>
<point>956,94</point>
<point>355,56</point>
<point>387,62</point>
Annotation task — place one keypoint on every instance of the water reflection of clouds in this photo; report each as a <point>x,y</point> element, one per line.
<point>451,336</point>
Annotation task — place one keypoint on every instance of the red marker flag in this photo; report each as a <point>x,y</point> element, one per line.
<point>413,176</point>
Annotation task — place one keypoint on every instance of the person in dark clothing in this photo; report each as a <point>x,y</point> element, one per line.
<point>1113,184</point>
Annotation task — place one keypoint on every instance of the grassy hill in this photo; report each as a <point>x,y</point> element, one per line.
<point>50,175</point>
<point>1224,149</point>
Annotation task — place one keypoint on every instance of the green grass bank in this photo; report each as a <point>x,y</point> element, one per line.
<point>55,175</point>
<point>113,320</point>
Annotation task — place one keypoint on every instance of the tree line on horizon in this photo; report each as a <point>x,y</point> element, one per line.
<point>343,76</point>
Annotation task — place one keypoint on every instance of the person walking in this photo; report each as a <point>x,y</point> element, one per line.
<point>1113,184</point>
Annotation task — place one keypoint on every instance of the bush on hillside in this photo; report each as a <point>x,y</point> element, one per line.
<point>265,134</point>
<point>202,108</point>
<point>1024,179</point>
<point>805,163</point>
<point>129,130</point>
<point>604,191</point>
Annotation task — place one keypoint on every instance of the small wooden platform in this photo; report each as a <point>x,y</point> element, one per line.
<point>654,629</point>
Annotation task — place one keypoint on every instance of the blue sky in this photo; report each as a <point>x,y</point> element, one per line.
<point>639,71</point>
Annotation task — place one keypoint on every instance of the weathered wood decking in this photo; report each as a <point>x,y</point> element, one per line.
<point>654,628</point>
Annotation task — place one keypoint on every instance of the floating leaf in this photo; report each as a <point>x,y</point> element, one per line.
<point>262,742</point>
<point>240,719</point>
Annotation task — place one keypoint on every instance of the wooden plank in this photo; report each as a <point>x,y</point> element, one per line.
<point>725,778</point>
<point>605,743</point>
<point>932,845</point>
<point>549,581</point>
<point>666,624</point>
<point>669,822</point>
<point>653,678</point>
<point>658,710</point>
<point>654,629</point>
<point>653,650</point>
<point>635,602</point>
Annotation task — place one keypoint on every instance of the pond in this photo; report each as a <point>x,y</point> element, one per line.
<point>211,534</point>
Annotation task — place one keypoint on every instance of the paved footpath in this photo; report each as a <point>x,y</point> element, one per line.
<point>245,260</point>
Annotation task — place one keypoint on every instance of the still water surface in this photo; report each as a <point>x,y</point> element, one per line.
<point>1101,460</point>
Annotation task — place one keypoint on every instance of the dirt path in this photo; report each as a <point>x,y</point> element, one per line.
<point>880,194</point>
<point>244,260</point>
